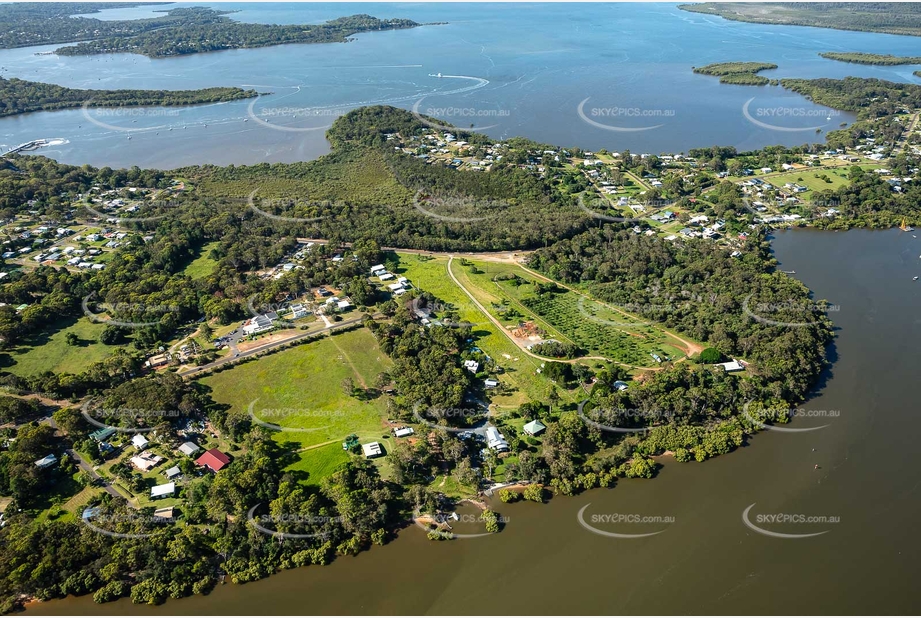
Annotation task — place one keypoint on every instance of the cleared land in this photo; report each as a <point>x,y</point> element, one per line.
<point>203,265</point>
<point>301,389</point>
<point>49,351</point>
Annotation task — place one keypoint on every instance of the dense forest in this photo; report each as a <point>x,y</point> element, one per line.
<point>204,30</point>
<point>19,96</point>
<point>363,197</point>
<point>864,58</point>
<point>39,23</point>
<point>888,17</point>
<point>739,73</point>
<point>869,96</point>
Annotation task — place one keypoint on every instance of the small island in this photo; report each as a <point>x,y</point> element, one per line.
<point>877,59</point>
<point>204,30</point>
<point>18,96</point>
<point>886,17</point>
<point>739,73</point>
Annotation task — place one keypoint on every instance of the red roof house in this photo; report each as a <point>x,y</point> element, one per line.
<point>214,460</point>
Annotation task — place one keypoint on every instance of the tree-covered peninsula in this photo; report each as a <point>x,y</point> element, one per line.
<point>18,96</point>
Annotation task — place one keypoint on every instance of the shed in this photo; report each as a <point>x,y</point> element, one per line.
<point>173,472</point>
<point>372,449</point>
<point>189,448</point>
<point>161,491</point>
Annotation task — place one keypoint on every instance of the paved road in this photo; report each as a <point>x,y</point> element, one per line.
<point>271,345</point>
<point>85,465</point>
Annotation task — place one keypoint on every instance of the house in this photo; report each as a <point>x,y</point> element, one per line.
<point>534,428</point>
<point>385,276</point>
<point>258,324</point>
<point>161,491</point>
<point>101,434</point>
<point>46,462</point>
<point>620,385</point>
<point>189,448</point>
<point>157,361</point>
<point>213,459</point>
<point>145,461</point>
<point>471,365</point>
<point>378,270</point>
<point>490,383</point>
<point>173,472</point>
<point>731,366</point>
<point>372,450</point>
<point>495,440</point>
<point>298,311</point>
<point>344,304</point>
<point>402,432</point>
<point>139,441</point>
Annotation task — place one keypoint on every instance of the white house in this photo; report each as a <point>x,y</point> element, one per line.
<point>46,462</point>
<point>189,448</point>
<point>258,324</point>
<point>372,449</point>
<point>731,366</point>
<point>495,440</point>
<point>402,432</point>
<point>139,441</point>
<point>161,491</point>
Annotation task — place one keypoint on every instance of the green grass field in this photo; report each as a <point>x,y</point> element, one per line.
<point>203,265</point>
<point>520,374</point>
<point>569,317</point>
<point>301,389</point>
<point>49,351</point>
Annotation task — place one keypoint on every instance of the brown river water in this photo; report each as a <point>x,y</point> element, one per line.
<point>705,559</point>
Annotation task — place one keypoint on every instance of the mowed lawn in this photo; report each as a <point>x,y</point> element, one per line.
<point>48,351</point>
<point>203,265</point>
<point>520,369</point>
<point>301,389</point>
